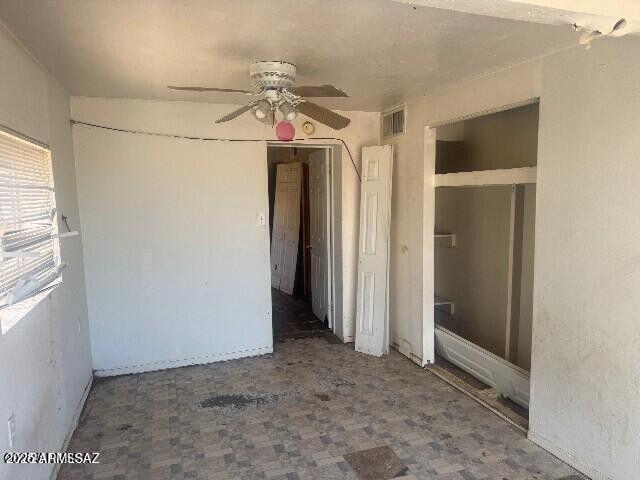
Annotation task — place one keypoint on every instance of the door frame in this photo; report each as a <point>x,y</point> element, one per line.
<point>506,377</point>
<point>428,246</point>
<point>332,154</point>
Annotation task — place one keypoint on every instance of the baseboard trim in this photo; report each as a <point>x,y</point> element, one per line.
<point>568,457</point>
<point>73,426</point>
<point>183,362</point>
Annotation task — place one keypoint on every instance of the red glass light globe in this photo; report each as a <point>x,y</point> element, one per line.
<point>285,131</point>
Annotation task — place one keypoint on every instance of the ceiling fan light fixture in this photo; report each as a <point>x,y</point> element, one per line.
<point>288,111</point>
<point>262,110</point>
<point>274,82</point>
<point>269,118</point>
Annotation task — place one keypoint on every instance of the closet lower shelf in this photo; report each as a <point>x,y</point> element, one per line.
<point>505,377</point>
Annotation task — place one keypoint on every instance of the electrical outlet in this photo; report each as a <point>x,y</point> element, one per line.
<point>11,427</point>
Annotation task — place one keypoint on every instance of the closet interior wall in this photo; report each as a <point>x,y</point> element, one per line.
<point>485,269</point>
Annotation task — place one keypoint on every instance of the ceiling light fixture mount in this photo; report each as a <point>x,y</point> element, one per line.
<point>272,75</point>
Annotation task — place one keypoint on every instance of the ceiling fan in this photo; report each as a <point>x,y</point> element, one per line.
<point>276,92</point>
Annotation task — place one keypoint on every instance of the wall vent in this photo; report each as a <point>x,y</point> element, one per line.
<point>393,122</point>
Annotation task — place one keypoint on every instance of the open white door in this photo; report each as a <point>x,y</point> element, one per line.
<point>286,226</point>
<point>318,202</point>
<point>372,319</point>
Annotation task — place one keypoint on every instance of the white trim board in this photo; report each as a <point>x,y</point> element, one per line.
<point>567,457</point>
<point>428,246</point>
<point>164,364</point>
<point>506,378</point>
<point>487,111</point>
<point>505,176</point>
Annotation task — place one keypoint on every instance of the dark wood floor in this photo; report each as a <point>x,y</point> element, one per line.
<point>294,318</point>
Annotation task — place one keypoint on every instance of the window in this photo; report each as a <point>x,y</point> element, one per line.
<point>29,249</point>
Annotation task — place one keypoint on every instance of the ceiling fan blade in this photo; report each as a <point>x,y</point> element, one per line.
<point>317,91</point>
<point>322,115</point>
<point>210,89</point>
<point>236,113</point>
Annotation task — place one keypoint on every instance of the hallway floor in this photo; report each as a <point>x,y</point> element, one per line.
<point>294,318</point>
<point>308,411</point>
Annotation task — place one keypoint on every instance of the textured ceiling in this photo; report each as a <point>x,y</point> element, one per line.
<point>380,52</point>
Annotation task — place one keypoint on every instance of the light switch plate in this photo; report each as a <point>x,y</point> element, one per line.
<point>262,219</point>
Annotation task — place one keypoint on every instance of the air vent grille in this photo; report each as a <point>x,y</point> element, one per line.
<point>393,123</point>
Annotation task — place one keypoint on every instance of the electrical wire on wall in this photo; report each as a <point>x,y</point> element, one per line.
<point>216,139</point>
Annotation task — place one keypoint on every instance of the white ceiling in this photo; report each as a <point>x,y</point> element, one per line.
<point>380,52</point>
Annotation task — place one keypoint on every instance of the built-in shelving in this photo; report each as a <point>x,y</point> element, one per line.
<point>505,176</point>
<point>444,305</point>
<point>447,240</point>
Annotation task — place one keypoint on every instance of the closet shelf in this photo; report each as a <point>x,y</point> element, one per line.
<point>444,305</point>
<point>505,176</point>
<point>447,240</point>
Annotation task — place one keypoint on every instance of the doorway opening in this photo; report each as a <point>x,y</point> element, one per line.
<point>299,187</point>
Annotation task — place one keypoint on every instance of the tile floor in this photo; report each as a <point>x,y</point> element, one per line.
<point>296,414</point>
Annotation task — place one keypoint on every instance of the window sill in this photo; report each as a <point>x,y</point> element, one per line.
<point>11,316</point>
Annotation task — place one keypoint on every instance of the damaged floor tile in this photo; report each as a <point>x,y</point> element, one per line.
<point>379,463</point>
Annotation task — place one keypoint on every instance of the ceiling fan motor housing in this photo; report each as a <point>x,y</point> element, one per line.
<point>272,75</point>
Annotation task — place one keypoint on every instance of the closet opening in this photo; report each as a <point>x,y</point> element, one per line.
<point>485,190</point>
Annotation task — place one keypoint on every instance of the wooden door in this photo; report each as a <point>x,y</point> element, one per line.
<point>286,226</point>
<point>318,201</point>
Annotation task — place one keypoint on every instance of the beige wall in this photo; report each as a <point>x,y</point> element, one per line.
<point>506,139</point>
<point>502,140</point>
<point>507,87</point>
<point>475,273</point>
<point>584,375</point>
<point>585,380</point>
<point>45,359</point>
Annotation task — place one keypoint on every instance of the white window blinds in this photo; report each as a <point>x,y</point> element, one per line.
<point>29,253</point>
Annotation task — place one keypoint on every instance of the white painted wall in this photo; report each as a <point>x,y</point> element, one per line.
<point>45,360</point>
<point>585,405</point>
<point>97,156</point>
<point>177,264</point>
<point>585,380</point>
